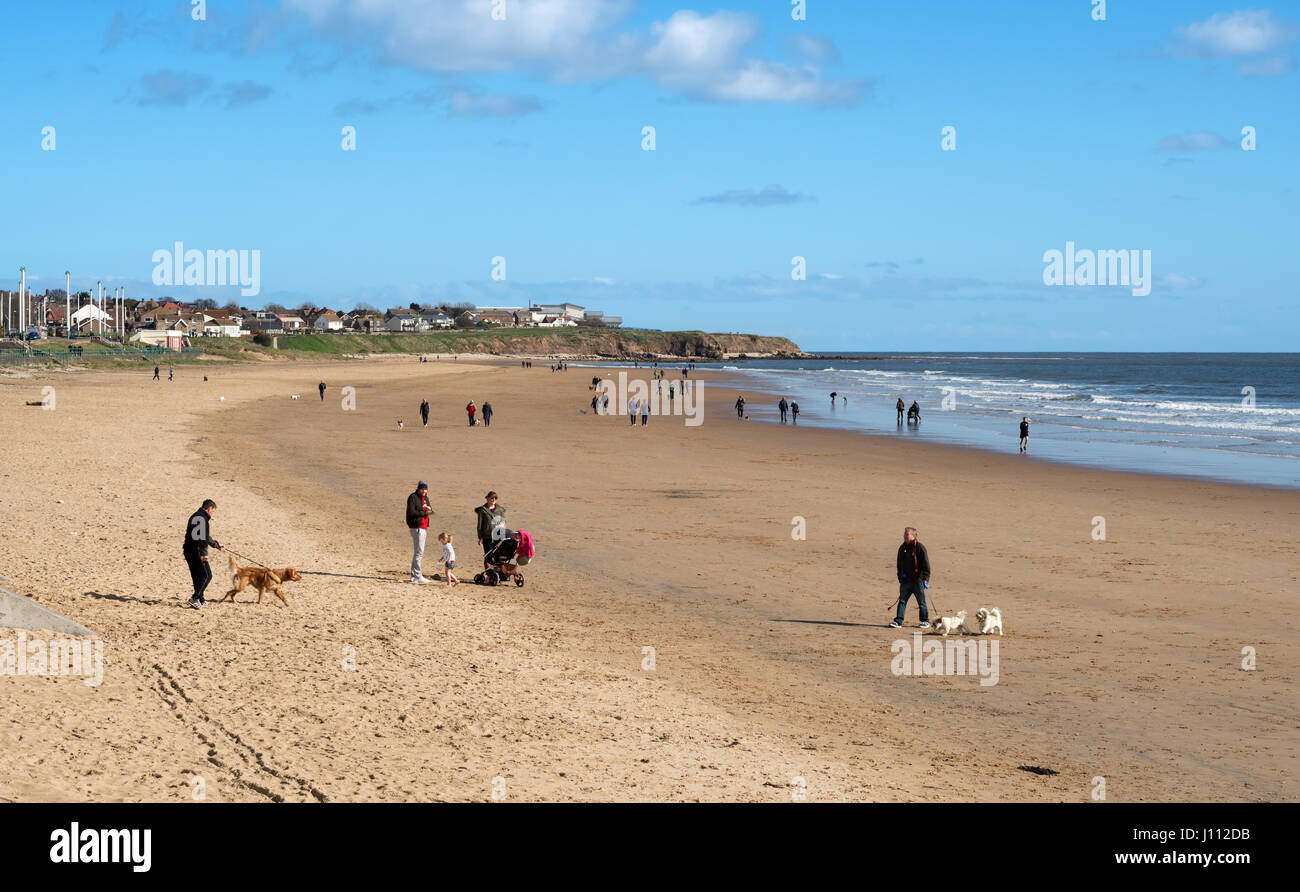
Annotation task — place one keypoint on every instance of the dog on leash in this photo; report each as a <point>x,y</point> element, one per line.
<point>949,624</point>
<point>260,578</point>
<point>989,618</point>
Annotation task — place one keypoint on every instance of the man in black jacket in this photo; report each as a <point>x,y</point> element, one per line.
<point>197,539</point>
<point>417,521</point>
<point>913,577</point>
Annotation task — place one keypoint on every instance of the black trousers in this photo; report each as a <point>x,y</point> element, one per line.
<point>200,573</point>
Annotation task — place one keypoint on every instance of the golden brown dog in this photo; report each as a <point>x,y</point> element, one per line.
<point>259,578</point>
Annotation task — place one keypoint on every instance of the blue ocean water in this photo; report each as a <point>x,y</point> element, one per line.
<point>1222,416</point>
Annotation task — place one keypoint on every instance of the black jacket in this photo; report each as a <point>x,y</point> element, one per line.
<point>415,510</point>
<point>198,535</point>
<point>913,561</point>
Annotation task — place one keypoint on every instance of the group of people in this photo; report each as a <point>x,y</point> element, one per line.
<point>490,526</point>
<point>913,411</point>
<point>471,410</point>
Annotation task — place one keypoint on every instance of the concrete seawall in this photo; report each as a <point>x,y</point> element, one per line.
<point>18,612</point>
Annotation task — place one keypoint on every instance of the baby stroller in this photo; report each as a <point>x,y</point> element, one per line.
<point>504,559</point>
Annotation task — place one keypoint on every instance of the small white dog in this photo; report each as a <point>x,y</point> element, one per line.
<point>948,624</point>
<point>989,618</point>
<point>293,396</point>
<point>400,425</point>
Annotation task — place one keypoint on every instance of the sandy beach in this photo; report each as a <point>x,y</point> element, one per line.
<point>770,670</point>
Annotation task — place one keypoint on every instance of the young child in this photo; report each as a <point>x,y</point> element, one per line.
<point>448,560</point>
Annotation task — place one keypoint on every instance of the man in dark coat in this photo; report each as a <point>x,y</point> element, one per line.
<point>198,537</point>
<point>913,577</point>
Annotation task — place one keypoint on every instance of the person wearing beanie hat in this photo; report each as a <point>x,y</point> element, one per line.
<point>417,521</point>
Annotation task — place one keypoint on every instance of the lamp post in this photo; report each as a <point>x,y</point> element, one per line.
<point>22,303</point>
<point>67,303</point>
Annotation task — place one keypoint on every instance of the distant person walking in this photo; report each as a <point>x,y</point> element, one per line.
<point>470,410</point>
<point>901,409</point>
<point>914,412</point>
<point>833,395</point>
<point>321,388</point>
<point>491,517</point>
<point>632,405</point>
<point>170,372</point>
<point>913,578</point>
<point>740,403</point>
<point>155,374</point>
<point>1024,435</point>
<point>645,413</point>
<point>417,521</point>
<point>487,414</point>
<point>198,537</point>
<point>424,412</point>
<point>783,407</point>
<point>794,411</point>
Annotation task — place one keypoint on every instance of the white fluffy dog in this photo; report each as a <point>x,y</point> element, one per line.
<point>989,618</point>
<point>948,624</point>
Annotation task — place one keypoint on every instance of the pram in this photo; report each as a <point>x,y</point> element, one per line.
<point>504,559</point>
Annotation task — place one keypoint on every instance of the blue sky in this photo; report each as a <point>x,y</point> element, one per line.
<point>775,138</point>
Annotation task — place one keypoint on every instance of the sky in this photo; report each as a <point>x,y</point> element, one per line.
<point>503,161</point>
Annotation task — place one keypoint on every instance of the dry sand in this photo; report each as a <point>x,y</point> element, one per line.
<point>1121,659</point>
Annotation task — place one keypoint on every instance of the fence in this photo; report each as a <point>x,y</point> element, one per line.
<point>42,353</point>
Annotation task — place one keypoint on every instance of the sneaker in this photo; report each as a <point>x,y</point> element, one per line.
<point>195,601</point>
<point>924,626</point>
<point>421,580</point>
<point>895,625</point>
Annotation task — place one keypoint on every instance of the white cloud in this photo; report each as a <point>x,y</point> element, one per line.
<point>1261,43</point>
<point>1227,35</point>
<point>706,57</point>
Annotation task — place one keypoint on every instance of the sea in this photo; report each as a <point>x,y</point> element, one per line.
<point>1231,417</point>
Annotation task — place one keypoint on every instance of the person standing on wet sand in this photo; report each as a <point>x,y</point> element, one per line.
<point>901,409</point>
<point>740,403</point>
<point>1024,435</point>
<point>794,411</point>
<point>783,407</point>
<point>487,414</point>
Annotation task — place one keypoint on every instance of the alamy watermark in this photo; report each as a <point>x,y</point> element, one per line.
<point>198,268</point>
<point>82,657</point>
<point>945,656</point>
<point>685,398</point>
<point>1124,268</point>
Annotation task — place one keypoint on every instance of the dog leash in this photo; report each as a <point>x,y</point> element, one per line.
<point>247,558</point>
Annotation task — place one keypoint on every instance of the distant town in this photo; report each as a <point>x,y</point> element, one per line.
<point>172,323</point>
